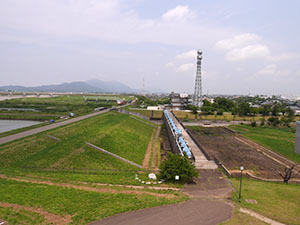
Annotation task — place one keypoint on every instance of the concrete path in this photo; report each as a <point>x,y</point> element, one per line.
<point>208,206</point>
<point>260,217</point>
<point>113,155</point>
<point>48,127</point>
<point>193,212</point>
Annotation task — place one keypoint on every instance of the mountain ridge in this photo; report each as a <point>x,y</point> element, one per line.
<point>94,85</point>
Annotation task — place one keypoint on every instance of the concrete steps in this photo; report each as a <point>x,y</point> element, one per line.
<point>205,164</point>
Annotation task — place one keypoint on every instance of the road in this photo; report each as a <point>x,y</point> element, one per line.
<point>208,206</point>
<point>13,137</point>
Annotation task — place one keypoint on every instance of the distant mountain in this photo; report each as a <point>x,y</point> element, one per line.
<point>64,87</point>
<point>88,86</point>
<point>111,86</point>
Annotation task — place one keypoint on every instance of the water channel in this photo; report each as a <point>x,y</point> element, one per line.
<point>8,125</point>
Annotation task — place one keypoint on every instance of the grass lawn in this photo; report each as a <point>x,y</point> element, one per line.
<point>20,216</point>
<point>277,201</point>
<point>83,206</point>
<point>280,140</point>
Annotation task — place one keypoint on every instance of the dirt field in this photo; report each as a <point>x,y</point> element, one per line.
<point>220,143</point>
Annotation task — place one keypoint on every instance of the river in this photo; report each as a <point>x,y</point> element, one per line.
<point>8,125</point>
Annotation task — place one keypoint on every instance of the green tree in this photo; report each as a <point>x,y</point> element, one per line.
<point>274,121</point>
<point>266,110</point>
<point>290,114</point>
<point>176,165</point>
<point>262,121</point>
<point>276,109</point>
<point>193,108</point>
<point>244,109</point>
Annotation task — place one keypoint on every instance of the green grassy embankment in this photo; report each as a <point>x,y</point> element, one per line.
<point>280,140</point>
<point>114,132</point>
<point>63,177</point>
<point>277,201</point>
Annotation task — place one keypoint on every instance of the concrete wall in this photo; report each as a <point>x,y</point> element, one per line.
<point>297,142</point>
<point>174,146</point>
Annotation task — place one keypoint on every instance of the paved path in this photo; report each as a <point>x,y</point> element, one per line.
<point>260,217</point>
<point>208,206</point>
<point>48,127</point>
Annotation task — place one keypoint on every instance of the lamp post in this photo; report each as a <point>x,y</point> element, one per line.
<point>240,193</point>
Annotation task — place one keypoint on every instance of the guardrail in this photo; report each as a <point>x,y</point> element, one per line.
<point>221,165</point>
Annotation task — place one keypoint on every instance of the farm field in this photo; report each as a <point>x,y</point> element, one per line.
<point>54,107</point>
<point>221,143</point>
<point>277,201</point>
<point>280,140</point>
<point>63,181</point>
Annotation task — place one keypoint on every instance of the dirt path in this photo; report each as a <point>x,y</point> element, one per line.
<point>208,206</point>
<point>155,150</point>
<point>101,190</point>
<point>50,217</point>
<point>148,151</point>
<point>107,185</point>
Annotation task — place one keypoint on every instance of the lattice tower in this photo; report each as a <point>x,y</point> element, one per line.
<point>197,98</point>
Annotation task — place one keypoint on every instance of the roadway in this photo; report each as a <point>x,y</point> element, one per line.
<point>209,205</point>
<point>13,137</point>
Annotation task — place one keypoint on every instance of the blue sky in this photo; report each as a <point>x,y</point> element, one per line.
<point>248,46</point>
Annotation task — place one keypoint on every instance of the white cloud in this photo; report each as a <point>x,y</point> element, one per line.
<point>180,12</point>
<point>238,41</point>
<point>170,64</point>
<point>284,57</point>
<point>192,54</point>
<point>269,69</point>
<point>248,52</point>
<point>185,67</point>
<point>110,20</point>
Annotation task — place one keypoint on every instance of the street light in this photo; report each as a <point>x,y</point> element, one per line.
<point>240,194</point>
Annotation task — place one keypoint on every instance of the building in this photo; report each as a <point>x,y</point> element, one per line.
<point>296,109</point>
<point>180,101</point>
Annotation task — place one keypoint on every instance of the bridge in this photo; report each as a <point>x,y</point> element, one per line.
<point>182,143</point>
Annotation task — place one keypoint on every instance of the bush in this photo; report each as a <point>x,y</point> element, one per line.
<point>274,121</point>
<point>177,165</point>
<point>253,124</point>
<point>262,122</point>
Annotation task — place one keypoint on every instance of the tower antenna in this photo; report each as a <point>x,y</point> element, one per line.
<point>197,98</point>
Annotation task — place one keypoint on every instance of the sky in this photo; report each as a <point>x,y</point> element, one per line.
<point>249,46</point>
